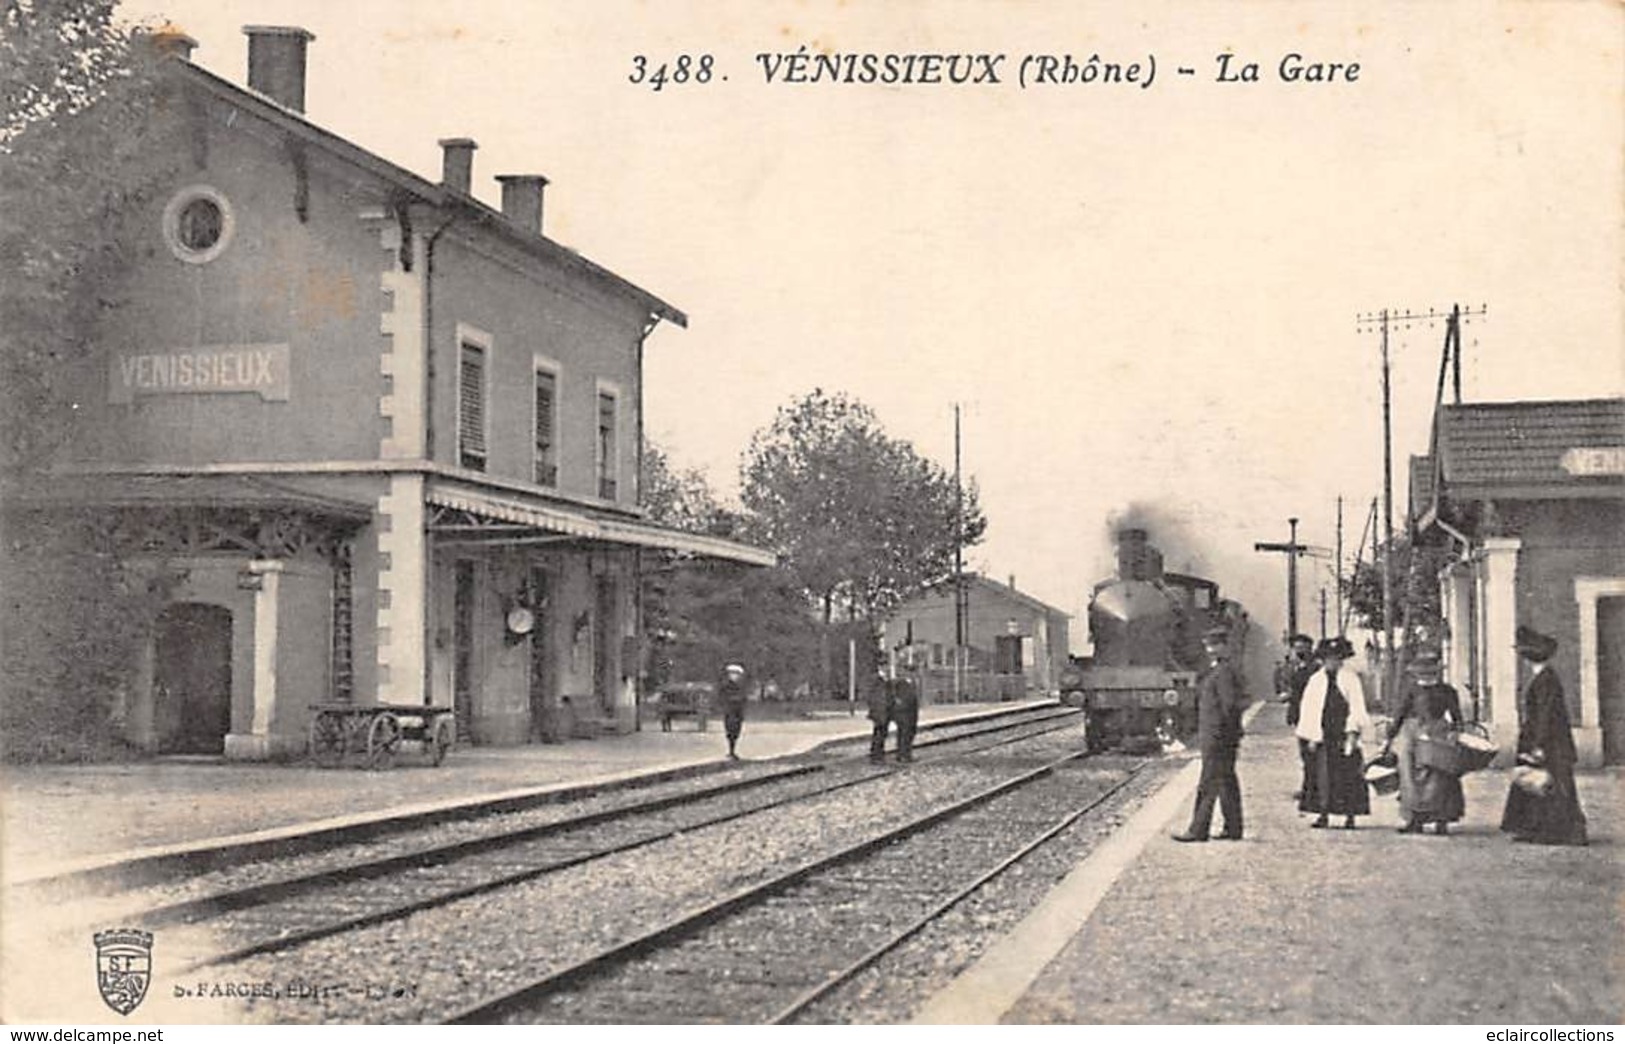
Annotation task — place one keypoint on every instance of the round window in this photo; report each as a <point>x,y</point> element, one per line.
<point>198,224</point>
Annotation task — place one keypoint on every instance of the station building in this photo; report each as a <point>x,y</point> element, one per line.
<point>386,436</point>
<point>1530,497</point>
<point>1016,645</point>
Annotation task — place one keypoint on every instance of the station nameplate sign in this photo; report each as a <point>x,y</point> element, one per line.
<point>210,369</point>
<point>1594,460</point>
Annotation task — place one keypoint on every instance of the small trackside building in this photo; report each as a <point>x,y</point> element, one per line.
<point>1530,497</point>
<point>1015,645</point>
<point>386,436</point>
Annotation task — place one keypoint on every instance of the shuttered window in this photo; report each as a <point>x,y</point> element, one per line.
<point>607,459</point>
<point>547,468</point>
<point>471,408</point>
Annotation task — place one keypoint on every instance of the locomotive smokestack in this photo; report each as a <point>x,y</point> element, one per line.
<point>1132,554</point>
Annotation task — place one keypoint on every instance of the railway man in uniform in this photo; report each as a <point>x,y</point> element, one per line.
<point>1290,678</point>
<point>1219,702</point>
<point>895,699</point>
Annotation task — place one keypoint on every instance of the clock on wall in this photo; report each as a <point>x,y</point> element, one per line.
<point>521,621</point>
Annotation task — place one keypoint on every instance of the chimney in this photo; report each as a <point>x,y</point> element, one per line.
<point>1012,581</point>
<point>457,164</point>
<point>171,41</point>
<point>1133,555</point>
<point>522,200</point>
<point>276,63</point>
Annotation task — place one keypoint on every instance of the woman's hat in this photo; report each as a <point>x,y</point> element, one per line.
<point>1425,661</point>
<point>1300,639</point>
<point>1534,645</point>
<point>1338,647</point>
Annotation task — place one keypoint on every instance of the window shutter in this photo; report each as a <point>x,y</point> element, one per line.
<point>471,404</point>
<point>546,469</point>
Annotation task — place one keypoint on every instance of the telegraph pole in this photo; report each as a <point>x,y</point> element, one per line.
<point>959,569</point>
<point>1339,567</point>
<point>1292,549</point>
<point>1381,321</point>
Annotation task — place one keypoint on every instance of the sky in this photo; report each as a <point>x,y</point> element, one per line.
<point>1144,299</point>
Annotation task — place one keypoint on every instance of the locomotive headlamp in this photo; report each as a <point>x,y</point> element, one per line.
<point>1170,697</point>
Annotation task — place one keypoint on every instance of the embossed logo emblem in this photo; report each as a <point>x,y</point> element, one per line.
<point>123,967</point>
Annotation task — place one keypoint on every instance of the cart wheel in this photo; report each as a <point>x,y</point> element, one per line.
<point>441,740</point>
<point>383,740</point>
<point>327,739</point>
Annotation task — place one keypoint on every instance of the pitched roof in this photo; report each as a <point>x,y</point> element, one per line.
<point>425,191</point>
<point>945,588</point>
<point>1531,447</point>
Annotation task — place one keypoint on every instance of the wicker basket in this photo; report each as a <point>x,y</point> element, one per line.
<point>1439,751</point>
<point>1383,779</point>
<point>1478,751</point>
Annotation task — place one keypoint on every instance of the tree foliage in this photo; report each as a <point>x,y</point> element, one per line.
<point>1416,588</point>
<point>701,614</point>
<point>81,152</point>
<point>862,520</point>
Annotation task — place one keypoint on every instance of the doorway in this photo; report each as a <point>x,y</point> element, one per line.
<point>463,687</point>
<point>192,679</point>
<point>1611,677</point>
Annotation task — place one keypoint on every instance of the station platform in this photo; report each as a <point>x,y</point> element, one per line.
<point>1294,925</point>
<point>57,819</point>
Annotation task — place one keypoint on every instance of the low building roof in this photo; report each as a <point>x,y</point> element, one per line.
<point>1532,449</point>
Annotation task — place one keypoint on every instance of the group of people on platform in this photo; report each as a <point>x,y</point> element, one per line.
<point>894,699</point>
<point>1326,708</point>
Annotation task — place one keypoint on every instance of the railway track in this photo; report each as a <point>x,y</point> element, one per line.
<point>388,830</point>
<point>773,950</point>
<point>296,908</point>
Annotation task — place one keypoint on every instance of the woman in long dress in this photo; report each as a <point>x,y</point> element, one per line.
<point>1546,741</point>
<point>1330,720</point>
<point>1429,708</point>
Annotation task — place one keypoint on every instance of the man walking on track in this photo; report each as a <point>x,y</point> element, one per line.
<point>1219,703</point>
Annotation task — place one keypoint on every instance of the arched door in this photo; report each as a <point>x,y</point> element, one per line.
<point>192,679</point>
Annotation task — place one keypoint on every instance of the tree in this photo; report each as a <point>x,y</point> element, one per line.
<point>861,519</point>
<point>82,152</point>
<point>1416,589</point>
<point>702,613</point>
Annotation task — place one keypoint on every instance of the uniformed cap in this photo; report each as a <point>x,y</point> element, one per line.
<point>734,668</point>
<point>1534,645</point>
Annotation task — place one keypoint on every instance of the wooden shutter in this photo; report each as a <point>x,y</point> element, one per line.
<point>546,468</point>
<point>471,407</point>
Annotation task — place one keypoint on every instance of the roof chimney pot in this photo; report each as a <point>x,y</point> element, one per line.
<point>171,41</point>
<point>276,63</point>
<point>457,164</point>
<point>522,200</point>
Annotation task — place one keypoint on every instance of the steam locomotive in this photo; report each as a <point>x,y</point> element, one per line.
<point>1138,690</point>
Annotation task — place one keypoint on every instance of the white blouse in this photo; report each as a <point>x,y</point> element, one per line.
<point>1314,702</point>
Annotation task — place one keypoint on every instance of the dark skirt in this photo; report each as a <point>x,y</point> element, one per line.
<point>1553,818</point>
<point>1426,794</point>
<point>1334,783</point>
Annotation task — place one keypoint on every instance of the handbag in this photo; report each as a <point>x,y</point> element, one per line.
<point>1532,779</point>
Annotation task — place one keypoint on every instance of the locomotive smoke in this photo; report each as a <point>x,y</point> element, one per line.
<point>1177,535</point>
<point>1167,531</point>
